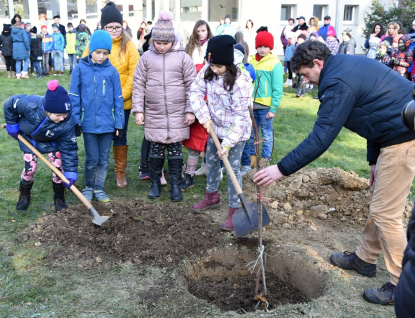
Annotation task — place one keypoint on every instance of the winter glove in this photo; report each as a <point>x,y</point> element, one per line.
<point>396,62</point>
<point>13,130</point>
<point>120,133</point>
<point>78,130</point>
<point>69,184</point>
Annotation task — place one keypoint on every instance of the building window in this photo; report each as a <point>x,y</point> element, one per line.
<point>190,10</point>
<point>48,7</point>
<point>320,11</point>
<point>287,12</point>
<point>220,8</point>
<point>121,8</point>
<point>72,10</point>
<point>91,9</point>
<point>350,13</point>
<point>131,12</point>
<point>21,7</point>
<point>4,9</point>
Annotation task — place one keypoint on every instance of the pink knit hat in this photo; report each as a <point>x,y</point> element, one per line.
<point>331,31</point>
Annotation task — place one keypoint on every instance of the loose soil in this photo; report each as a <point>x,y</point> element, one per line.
<point>313,213</point>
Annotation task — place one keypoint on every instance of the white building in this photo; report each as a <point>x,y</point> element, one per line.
<point>273,13</point>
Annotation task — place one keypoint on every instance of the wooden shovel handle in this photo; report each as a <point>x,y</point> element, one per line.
<point>226,162</point>
<point>78,193</point>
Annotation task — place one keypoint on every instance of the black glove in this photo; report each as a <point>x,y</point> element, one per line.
<point>120,133</point>
<point>78,130</point>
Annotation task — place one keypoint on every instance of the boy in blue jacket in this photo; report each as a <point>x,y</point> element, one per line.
<point>57,50</point>
<point>46,123</point>
<point>98,111</point>
<point>47,44</point>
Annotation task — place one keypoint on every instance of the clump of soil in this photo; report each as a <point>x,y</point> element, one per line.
<point>142,232</point>
<point>235,293</point>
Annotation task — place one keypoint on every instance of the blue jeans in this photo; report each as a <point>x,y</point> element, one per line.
<point>246,159</point>
<point>213,170</point>
<point>123,140</point>
<point>19,65</point>
<point>36,65</point>
<point>72,61</point>
<point>57,60</point>
<point>97,153</point>
<point>265,127</point>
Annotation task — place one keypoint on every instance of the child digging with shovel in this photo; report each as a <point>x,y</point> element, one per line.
<point>46,123</point>
<point>229,93</point>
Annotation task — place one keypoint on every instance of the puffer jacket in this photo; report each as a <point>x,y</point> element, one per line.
<point>43,133</point>
<point>404,57</point>
<point>47,43</point>
<point>58,41</point>
<point>21,45</point>
<point>35,47</point>
<point>70,38</point>
<point>270,88</point>
<point>366,98</point>
<point>96,97</point>
<point>6,44</point>
<point>161,91</point>
<point>405,290</point>
<point>373,43</point>
<point>125,65</point>
<point>228,110</point>
<point>347,47</point>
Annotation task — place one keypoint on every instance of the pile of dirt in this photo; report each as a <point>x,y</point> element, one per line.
<point>141,232</point>
<point>331,195</point>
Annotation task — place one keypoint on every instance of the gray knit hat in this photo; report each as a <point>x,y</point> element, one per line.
<point>163,29</point>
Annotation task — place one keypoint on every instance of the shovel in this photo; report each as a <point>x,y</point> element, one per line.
<point>97,219</point>
<point>245,219</point>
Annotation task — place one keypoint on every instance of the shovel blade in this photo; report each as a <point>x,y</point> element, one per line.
<point>244,225</point>
<point>98,219</point>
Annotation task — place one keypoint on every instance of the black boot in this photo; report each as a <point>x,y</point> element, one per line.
<point>187,182</point>
<point>59,196</point>
<point>24,198</point>
<point>156,165</point>
<point>175,170</point>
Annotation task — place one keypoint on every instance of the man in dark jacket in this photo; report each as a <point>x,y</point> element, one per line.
<point>366,98</point>
<point>301,25</point>
<point>324,29</point>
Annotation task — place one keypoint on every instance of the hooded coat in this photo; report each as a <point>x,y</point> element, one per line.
<point>21,44</point>
<point>161,91</point>
<point>43,133</point>
<point>315,27</point>
<point>6,41</point>
<point>347,47</point>
<point>404,57</point>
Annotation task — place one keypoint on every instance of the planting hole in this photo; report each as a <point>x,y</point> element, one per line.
<point>222,278</point>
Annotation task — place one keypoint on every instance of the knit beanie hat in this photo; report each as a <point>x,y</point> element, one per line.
<point>331,31</point>
<point>348,32</point>
<point>110,13</point>
<point>264,38</point>
<point>33,30</point>
<point>385,44</point>
<point>56,99</point>
<point>238,54</point>
<point>55,26</point>
<point>44,26</point>
<point>100,39</point>
<point>7,28</point>
<point>163,29</point>
<point>220,50</point>
<point>82,27</point>
<point>302,36</point>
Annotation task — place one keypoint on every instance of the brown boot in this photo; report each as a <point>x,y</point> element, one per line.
<point>120,162</point>
<point>211,200</point>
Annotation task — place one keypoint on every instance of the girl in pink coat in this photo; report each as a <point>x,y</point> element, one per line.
<point>161,85</point>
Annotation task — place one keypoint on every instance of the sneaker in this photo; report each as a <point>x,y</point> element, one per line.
<point>88,193</point>
<point>382,296</point>
<point>245,170</point>
<point>201,171</point>
<point>349,260</point>
<point>101,196</point>
<point>39,76</point>
<point>56,73</point>
<point>61,73</point>
<point>144,172</point>
<point>70,73</point>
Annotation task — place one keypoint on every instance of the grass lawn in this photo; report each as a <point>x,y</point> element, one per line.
<point>28,287</point>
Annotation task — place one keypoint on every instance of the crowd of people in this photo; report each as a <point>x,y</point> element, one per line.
<point>181,95</point>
